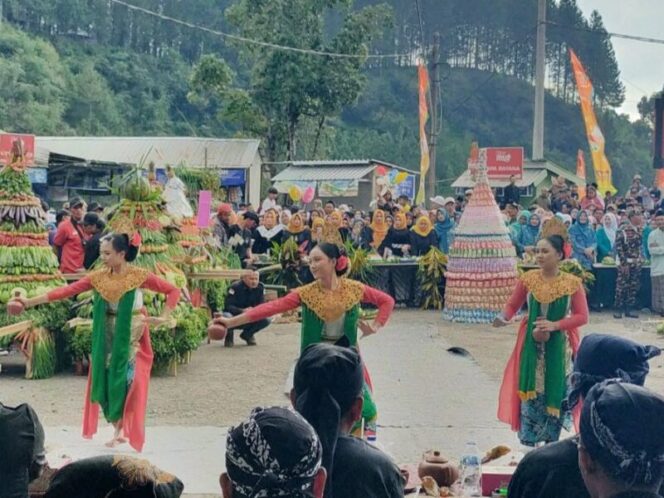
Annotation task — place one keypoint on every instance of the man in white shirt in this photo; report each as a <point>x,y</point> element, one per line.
<point>270,201</point>
<point>656,249</point>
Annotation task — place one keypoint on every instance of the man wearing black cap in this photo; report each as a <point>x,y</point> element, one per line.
<point>241,237</point>
<point>70,238</point>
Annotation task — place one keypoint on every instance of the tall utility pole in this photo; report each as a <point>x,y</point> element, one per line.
<point>540,65</point>
<point>435,128</point>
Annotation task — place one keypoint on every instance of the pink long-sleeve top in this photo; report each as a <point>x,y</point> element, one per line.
<point>152,283</point>
<point>384,302</point>
<point>578,306</point>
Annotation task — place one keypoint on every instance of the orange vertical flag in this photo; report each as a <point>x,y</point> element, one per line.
<point>660,178</point>
<point>423,80</point>
<point>581,172</point>
<point>601,164</point>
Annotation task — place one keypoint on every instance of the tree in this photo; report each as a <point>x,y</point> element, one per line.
<point>285,86</point>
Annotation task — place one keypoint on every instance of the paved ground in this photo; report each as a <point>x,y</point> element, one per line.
<point>427,397</point>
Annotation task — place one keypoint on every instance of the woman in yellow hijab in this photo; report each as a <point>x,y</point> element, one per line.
<point>299,231</point>
<point>379,228</point>
<point>317,226</point>
<point>332,229</point>
<point>422,236</point>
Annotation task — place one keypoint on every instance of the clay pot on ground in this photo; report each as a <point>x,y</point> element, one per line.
<point>433,464</point>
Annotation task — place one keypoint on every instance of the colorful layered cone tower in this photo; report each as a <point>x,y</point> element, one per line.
<point>481,272</point>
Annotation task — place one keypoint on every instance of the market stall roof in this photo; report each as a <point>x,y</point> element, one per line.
<point>534,173</point>
<point>193,152</point>
<point>353,169</point>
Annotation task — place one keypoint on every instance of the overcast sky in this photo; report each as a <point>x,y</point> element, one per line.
<point>641,64</point>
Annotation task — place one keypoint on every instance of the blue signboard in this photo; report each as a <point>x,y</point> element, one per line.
<point>406,187</point>
<point>232,177</point>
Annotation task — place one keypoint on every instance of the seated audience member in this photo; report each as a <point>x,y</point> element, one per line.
<point>274,453</point>
<point>22,455</point>
<point>115,476</point>
<point>552,471</point>
<point>422,236</point>
<point>242,295</point>
<point>327,391</point>
<point>621,443</point>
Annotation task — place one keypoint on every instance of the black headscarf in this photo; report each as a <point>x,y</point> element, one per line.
<point>328,379</point>
<point>274,453</point>
<point>621,429</point>
<point>602,357</point>
<point>113,476</point>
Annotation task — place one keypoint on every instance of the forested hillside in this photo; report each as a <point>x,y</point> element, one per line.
<point>98,67</point>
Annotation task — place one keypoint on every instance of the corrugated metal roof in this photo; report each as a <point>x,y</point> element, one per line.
<point>530,177</point>
<point>308,173</point>
<point>350,162</point>
<point>191,151</point>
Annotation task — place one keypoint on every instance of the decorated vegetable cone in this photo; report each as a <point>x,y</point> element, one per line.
<point>28,267</point>
<point>141,210</point>
<point>481,272</point>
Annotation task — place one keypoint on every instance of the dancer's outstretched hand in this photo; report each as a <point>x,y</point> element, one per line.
<point>368,328</point>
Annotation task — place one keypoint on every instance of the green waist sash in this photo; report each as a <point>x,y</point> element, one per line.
<point>109,385</point>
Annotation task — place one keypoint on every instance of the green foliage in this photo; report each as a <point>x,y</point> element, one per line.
<point>79,341</point>
<point>288,256</point>
<point>360,266</point>
<point>430,273</point>
<point>163,347</point>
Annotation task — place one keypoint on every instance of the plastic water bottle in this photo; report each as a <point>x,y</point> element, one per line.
<point>471,470</point>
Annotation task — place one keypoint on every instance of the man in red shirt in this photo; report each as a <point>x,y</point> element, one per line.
<point>70,238</point>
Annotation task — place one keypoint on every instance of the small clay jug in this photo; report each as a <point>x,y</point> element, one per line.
<point>15,307</point>
<point>433,464</point>
<point>216,332</point>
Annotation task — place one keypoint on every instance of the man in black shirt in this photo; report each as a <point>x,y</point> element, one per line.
<point>512,194</point>
<point>22,454</point>
<point>94,227</point>
<point>242,296</point>
<point>327,391</point>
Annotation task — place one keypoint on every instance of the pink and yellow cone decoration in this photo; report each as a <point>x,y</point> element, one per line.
<point>481,272</point>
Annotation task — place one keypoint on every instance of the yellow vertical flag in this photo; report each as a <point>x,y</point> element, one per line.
<point>601,164</point>
<point>581,172</point>
<point>423,79</point>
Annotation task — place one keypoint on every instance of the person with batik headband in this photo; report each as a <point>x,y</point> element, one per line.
<point>621,441</point>
<point>552,471</point>
<point>327,390</point>
<point>378,227</point>
<point>275,453</point>
<point>422,236</point>
<point>121,357</point>
<point>533,388</point>
<point>267,233</point>
<point>330,310</point>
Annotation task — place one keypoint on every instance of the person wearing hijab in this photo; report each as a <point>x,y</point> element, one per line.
<point>552,471</point>
<point>317,227</point>
<point>397,240</point>
<point>379,228</point>
<point>267,233</point>
<point>584,241</point>
<point>328,391</point>
<point>606,237</point>
<point>361,235</point>
<point>422,236</point>
<point>528,236</point>
<point>444,228</point>
<point>621,443</point>
<point>115,476</point>
<point>298,230</point>
<point>274,453</point>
